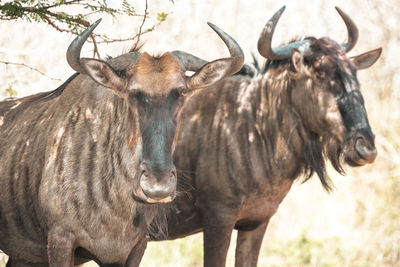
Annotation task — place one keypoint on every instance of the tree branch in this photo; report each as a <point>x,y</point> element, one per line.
<point>136,45</point>
<point>63,3</point>
<point>29,67</point>
<point>41,11</point>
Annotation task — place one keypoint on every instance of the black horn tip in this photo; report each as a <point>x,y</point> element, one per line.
<point>94,25</point>
<point>351,29</point>
<point>282,9</point>
<point>214,27</point>
<point>341,12</point>
<point>220,32</point>
<point>276,17</point>
<point>97,22</point>
<point>379,50</point>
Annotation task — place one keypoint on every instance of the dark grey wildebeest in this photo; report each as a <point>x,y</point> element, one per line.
<point>244,140</point>
<point>79,165</point>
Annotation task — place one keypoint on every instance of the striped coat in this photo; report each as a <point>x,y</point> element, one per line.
<point>79,165</point>
<point>244,141</point>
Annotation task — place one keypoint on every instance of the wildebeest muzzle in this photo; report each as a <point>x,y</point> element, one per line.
<point>360,144</point>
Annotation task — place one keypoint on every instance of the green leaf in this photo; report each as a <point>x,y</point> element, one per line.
<point>11,92</point>
<point>13,10</point>
<point>162,16</point>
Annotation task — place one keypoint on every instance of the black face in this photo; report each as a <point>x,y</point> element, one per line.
<point>359,134</point>
<point>158,119</point>
<point>340,75</point>
<point>152,87</point>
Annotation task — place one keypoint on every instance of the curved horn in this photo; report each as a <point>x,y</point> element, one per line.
<point>352,31</point>
<point>192,63</point>
<point>281,52</point>
<point>74,49</point>
<point>188,61</point>
<point>237,56</point>
<point>214,71</point>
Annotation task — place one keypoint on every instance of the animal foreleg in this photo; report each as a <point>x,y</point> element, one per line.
<point>21,263</point>
<point>60,248</point>
<point>136,254</point>
<point>216,244</point>
<point>248,246</point>
<point>134,257</point>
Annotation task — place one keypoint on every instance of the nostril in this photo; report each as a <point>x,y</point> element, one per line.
<point>172,174</point>
<point>365,150</point>
<point>143,168</point>
<point>158,186</point>
<point>144,174</point>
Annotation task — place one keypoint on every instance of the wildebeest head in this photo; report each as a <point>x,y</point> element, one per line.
<point>155,89</point>
<point>325,92</point>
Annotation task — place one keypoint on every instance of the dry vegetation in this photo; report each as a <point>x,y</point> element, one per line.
<point>356,225</point>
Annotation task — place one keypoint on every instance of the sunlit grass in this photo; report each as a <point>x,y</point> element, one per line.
<point>177,253</point>
<point>3,259</point>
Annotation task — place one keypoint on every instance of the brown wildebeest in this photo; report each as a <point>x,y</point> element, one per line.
<point>244,140</point>
<point>80,164</point>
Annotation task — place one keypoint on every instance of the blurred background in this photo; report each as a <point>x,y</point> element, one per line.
<point>358,224</point>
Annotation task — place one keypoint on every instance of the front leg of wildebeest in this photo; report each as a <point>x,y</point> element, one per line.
<point>60,248</point>
<point>137,253</point>
<point>248,246</point>
<point>134,257</point>
<point>21,263</point>
<point>217,236</point>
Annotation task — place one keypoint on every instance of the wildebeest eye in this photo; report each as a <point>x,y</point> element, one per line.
<point>336,86</point>
<point>142,98</point>
<point>174,94</point>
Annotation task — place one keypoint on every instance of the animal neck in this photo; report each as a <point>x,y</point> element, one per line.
<point>292,149</point>
<point>108,113</point>
<point>123,138</point>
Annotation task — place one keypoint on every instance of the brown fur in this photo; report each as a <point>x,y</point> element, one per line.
<point>92,155</point>
<point>158,74</point>
<point>242,149</point>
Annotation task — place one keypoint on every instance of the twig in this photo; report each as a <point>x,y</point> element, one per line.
<point>45,11</point>
<point>59,20</point>
<point>62,3</point>
<point>79,21</point>
<point>95,49</point>
<point>134,48</point>
<point>51,23</point>
<point>29,67</point>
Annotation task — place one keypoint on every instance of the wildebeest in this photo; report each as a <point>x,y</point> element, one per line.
<point>244,140</point>
<point>80,164</point>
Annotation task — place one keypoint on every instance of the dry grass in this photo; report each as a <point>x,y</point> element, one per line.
<point>358,224</point>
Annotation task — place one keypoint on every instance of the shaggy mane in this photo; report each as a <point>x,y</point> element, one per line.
<point>316,151</point>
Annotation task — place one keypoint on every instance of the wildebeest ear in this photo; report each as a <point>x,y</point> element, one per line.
<point>208,74</point>
<point>297,60</point>
<point>367,59</point>
<point>103,74</point>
